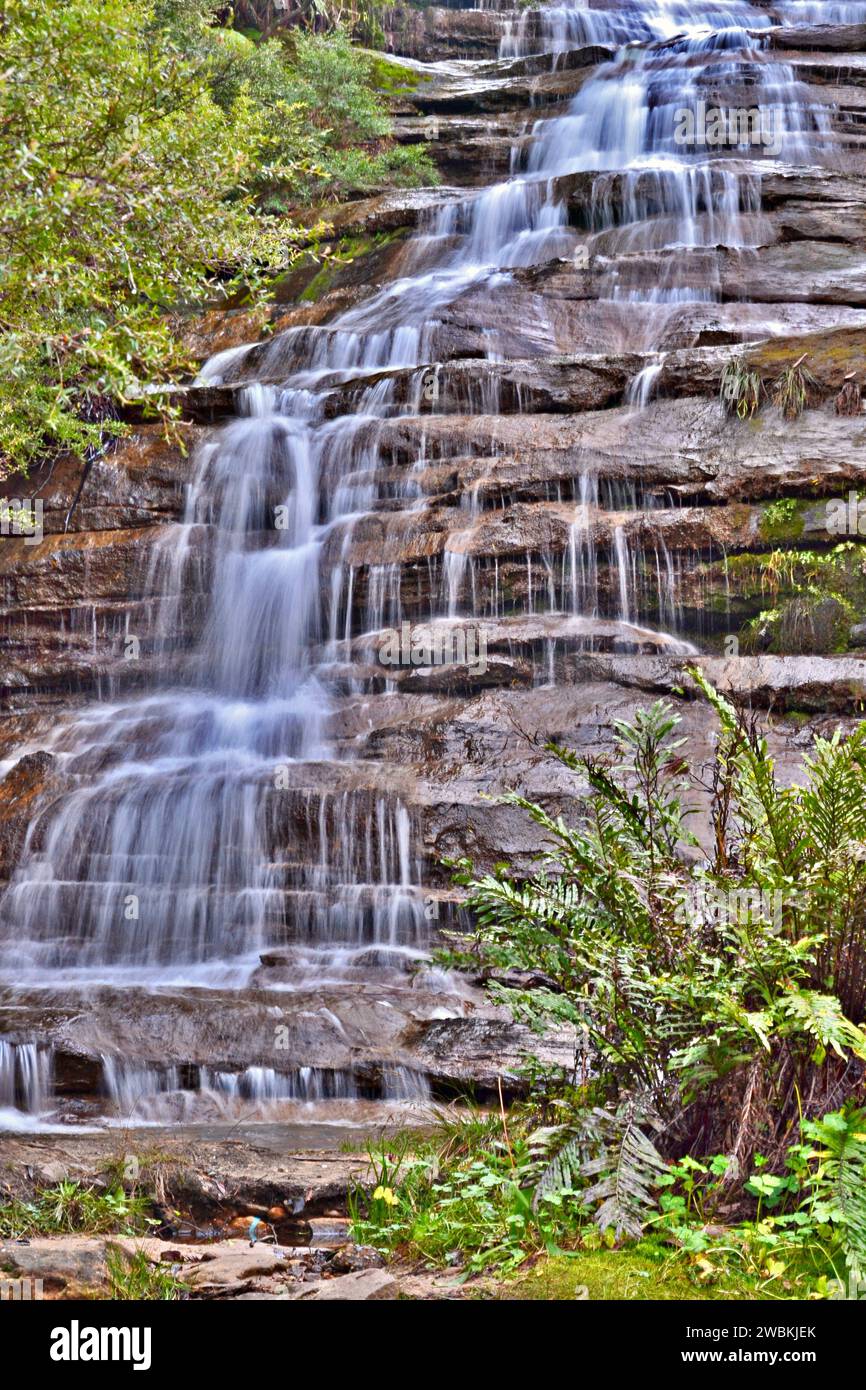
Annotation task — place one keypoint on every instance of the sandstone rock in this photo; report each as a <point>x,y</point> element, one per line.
<point>69,1266</point>
<point>364,1286</point>
<point>20,793</point>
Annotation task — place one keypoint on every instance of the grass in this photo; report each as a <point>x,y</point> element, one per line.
<point>70,1209</point>
<point>132,1277</point>
<point>794,389</point>
<point>641,1273</point>
<point>740,390</point>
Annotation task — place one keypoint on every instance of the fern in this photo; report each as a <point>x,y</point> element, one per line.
<point>834,797</point>
<point>821,1016</point>
<point>614,1150</point>
<point>840,1182</point>
<point>563,1170</point>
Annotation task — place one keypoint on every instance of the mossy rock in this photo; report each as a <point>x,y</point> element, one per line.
<point>830,355</point>
<point>392,79</point>
<point>783,520</point>
<point>352,260</point>
<point>805,625</point>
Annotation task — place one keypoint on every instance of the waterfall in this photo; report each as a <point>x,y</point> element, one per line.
<point>221,810</point>
<point>26,1075</point>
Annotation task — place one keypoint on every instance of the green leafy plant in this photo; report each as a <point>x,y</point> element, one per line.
<point>838,1182</point>
<point>70,1208</point>
<point>614,1151</point>
<point>142,149</point>
<point>724,993</point>
<point>133,1277</point>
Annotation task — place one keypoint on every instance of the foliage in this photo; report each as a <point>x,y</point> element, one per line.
<point>463,1198</point>
<point>740,390</point>
<point>782,519</point>
<point>719,998</point>
<point>141,148</point>
<point>69,1207</point>
<point>324,129</point>
<point>477,1203</point>
<point>616,1152</point>
<point>793,389</point>
<point>837,1184</point>
<point>132,1277</point>
<point>123,191</point>
<point>814,595</point>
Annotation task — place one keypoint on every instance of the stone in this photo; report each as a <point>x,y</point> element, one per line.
<point>69,1266</point>
<point>363,1286</point>
<point>351,1259</point>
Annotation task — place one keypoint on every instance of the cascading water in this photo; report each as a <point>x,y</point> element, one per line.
<point>215,814</point>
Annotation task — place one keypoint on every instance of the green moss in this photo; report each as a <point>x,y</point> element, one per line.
<point>392,78</point>
<point>783,520</point>
<point>641,1273</point>
<point>348,249</point>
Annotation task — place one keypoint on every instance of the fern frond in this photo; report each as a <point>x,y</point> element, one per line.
<point>834,799</point>
<point>821,1016</point>
<point>843,1179</point>
<point>626,1170</point>
<point>563,1171</point>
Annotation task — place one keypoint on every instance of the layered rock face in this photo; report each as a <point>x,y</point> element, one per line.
<point>472,489</point>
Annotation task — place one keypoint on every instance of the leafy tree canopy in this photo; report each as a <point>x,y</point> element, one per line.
<point>141,151</point>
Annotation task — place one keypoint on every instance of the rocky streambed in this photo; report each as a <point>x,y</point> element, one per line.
<point>490,415</point>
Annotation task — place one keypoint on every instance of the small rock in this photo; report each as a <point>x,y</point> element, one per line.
<point>65,1264</point>
<point>240,1223</point>
<point>50,1174</point>
<point>349,1259</point>
<point>364,1286</point>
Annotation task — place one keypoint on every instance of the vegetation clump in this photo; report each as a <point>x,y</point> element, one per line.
<point>740,390</point>
<point>793,389</point>
<point>716,1106</point>
<point>69,1208</point>
<point>152,161</point>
